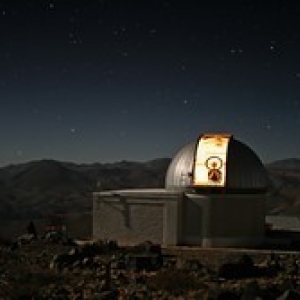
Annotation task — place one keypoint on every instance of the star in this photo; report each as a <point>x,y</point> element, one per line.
<point>152,31</point>
<point>59,119</point>
<point>19,153</point>
<point>268,126</point>
<point>64,70</point>
<point>36,111</point>
<point>122,134</point>
<point>123,29</point>
<point>236,51</point>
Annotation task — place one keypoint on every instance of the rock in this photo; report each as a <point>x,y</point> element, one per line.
<point>25,238</point>
<point>292,267</point>
<point>147,247</point>
<point>15,246</point>
<point>274,262</point>
<point>290,295</point>
<point>228,295</point>
<point>241,268</point>
<point>62,261</point>
<point>108,295</point>
<point>52,237</point>
<point>139,261</point>
<point>251,291</point>
<point>118,261</point>
<point>169,261</point>
<point>75,264</point>
<point>73,251</point>
<point>87,262</point>
<point>192,265</point>
<point>104,246</point>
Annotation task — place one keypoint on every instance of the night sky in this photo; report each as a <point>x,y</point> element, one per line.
<point>102,81</point>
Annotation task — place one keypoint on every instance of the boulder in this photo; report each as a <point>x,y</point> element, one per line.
<point>290,295</point>
<point>242,267</point>
<point>251,291</point>
<point>25,238</point>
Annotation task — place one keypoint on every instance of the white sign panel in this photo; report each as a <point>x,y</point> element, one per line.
<point>210,160</point>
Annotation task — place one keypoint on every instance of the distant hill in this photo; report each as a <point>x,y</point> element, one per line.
<point>38,188</point>
<point>285,164</point>
<point>285,197</point>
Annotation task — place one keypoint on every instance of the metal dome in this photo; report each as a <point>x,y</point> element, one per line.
<point>231,167</point>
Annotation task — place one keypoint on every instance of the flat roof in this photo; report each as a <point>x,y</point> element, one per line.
<point>283,222</point>
<point>149,193</point>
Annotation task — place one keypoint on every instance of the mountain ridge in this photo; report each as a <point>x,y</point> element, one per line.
<point>39,187</point>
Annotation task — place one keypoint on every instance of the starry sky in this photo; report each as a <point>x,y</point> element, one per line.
<point>106,80</point>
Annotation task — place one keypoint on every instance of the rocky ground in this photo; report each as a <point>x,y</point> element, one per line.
<point>52,268</point>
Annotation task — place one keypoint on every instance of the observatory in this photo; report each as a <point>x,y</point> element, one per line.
<point>214,196</point>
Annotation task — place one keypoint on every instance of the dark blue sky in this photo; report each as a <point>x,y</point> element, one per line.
<point>108,80</point>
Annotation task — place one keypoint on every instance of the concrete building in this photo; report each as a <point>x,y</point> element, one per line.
<point>214,196</point>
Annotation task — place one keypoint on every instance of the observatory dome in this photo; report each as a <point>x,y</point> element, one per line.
<point>217,162</point>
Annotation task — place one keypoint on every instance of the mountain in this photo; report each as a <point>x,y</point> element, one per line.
<point>285,195</point>
<point>39,188</point>
<point>288,164</point>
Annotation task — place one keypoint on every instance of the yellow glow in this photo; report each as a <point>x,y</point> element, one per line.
<point>210,160</point>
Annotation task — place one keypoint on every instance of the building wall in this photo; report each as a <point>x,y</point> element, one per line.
<point>193,213</point>
<point>132,218</point>
<point>171,218</point>
<point>234,220</point>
